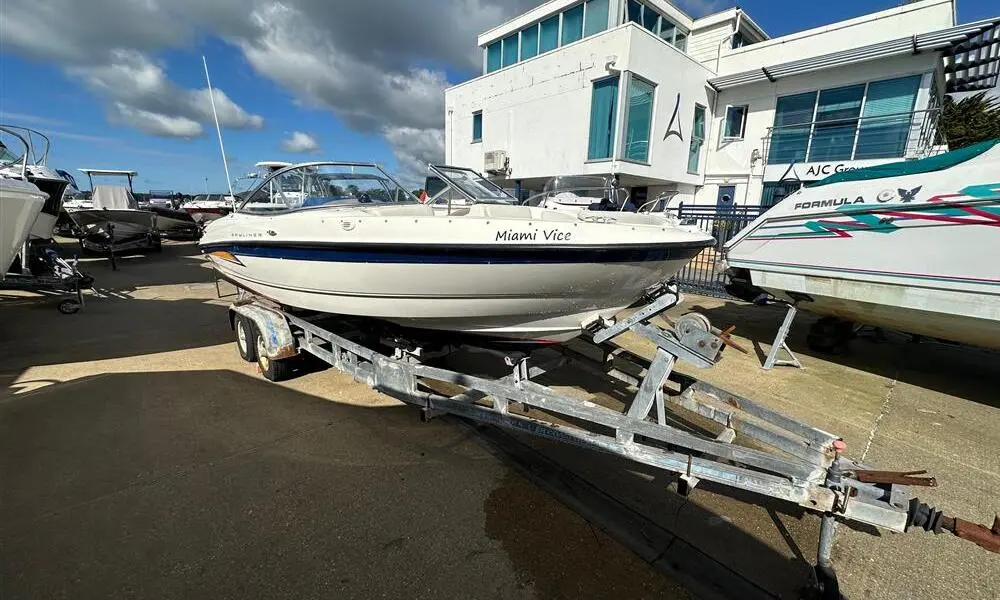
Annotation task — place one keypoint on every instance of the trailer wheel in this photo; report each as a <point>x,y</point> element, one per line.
<point>246,338</point>
<point>69,307</point>
<point>272,370</point>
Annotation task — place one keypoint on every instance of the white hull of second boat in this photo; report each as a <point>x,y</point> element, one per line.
<point>928,266</point>
<point>481,281</point>
<point>20,204</point>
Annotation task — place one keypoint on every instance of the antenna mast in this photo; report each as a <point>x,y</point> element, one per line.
<point>218,129</point>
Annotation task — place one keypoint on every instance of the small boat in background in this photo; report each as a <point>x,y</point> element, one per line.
<point>115,222</point>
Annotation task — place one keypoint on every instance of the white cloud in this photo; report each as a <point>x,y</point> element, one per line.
<point>300,143</point>
<point>140,96</point>
<point>379,65</point>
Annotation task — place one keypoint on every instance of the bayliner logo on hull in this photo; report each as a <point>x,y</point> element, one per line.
<point>833,202</point>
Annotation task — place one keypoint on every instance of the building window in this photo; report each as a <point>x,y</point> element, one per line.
<point>736,122</point>
<point>529,42</point>
<point>597,17</point>
<point>738,41</point>
<point>510,50</point>
<point>603,117</point>
<point>793,117</point>
<point>681,41</point>
<point>638,120</point>
<point>885,123</point>
<point>648,17</point>
<point>697,139</point>
<point>836,123</point>
<point>775,192</point>
<point>549,39</point>
<point>477,126</point>
<point>493,57</point>
<point>572,25</point>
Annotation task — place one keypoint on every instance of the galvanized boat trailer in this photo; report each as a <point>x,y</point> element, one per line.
<point>806,467</point>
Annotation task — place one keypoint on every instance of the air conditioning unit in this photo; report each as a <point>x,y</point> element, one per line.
<point>496,162</point>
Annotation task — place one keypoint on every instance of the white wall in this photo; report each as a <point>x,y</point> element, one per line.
<point>539,110</point>
<point>703,44</point>
<point>917,17</point>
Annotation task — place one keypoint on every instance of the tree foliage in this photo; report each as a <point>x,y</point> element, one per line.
<point>971,120</point>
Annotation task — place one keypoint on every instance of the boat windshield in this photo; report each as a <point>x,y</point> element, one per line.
<point>324,184</point>
<point>468,183</point>
<point>583,190</point>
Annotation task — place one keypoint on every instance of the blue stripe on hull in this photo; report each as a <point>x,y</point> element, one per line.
<point>399,254</point>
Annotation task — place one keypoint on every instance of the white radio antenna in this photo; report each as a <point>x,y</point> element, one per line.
<point>218,129</point>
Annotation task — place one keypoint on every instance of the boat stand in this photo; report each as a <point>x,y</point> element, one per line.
<point>807,467</point>
<point>781,345</point>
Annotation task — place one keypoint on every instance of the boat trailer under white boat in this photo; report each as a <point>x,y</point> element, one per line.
<point>803,465</point>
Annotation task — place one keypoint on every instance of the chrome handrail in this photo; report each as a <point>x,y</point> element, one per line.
<point>27,146</point>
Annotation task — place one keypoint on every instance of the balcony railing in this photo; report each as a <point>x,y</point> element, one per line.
<point>901,135</point>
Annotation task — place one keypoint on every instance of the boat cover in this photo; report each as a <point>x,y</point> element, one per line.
<point>113,197</point>
<point>911,167</point>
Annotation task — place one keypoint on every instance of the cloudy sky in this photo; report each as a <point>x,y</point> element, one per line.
<point>120,84</point>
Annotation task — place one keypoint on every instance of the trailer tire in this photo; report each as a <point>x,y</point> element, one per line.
<point>272,370</point>
<point>246,338</point>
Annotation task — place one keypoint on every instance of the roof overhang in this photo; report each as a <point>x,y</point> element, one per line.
<point>971,53</point>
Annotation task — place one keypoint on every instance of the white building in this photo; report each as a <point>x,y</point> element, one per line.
<point>712,108</point>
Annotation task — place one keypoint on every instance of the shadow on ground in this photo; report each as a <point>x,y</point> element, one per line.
<point>221,484</point>
<point>960,371</point>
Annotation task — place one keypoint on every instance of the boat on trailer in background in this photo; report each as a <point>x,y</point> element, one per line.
<point>912,246</point>
<point>115,223</point>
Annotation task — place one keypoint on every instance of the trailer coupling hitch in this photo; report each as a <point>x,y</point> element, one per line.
<point>928,518</point>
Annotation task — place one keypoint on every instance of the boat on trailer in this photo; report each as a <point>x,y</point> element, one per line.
<point>115,223</point>
<point>345,238</point>
<point>911,246</point>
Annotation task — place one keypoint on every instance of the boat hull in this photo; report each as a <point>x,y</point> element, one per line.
<point>542,302</point>
<point>468,275</point>
<point>928,264</point>
<point>20,204</point>
<point>101,227</point>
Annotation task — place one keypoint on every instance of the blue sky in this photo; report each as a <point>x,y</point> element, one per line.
<point>64,91</point>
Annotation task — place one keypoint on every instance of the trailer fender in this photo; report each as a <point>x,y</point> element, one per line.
<point>279,342</point>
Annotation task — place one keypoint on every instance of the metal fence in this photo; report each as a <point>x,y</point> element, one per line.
<point>704,274</point>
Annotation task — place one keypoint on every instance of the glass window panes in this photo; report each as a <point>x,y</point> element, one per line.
<point>493,57</point>
<point>650,19</point>
<point>572,25</point>
<point>790,136</point>
<point>510,50</point>
<point>667,30</point>
<point>603,117</point>
<point>635,11</point>
<point>836,123</point>
<point>597,17</point>
<point>477,126</point>
<point>887,118</point>
<point>639,120</point>
<point>736,118</point>
<point>681,41</point>
<point>697,139</point>
<point>549,38</point>
<point>529,42</point>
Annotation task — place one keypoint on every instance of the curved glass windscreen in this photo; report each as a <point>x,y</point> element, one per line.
<point>581,190</point>
<point>472,185</point>
<point>325,184</point>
